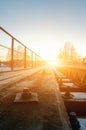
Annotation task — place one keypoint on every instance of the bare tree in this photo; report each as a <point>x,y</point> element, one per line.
<point>68,54</point>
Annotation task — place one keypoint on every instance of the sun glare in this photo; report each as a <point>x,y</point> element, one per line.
<point>53,63</point>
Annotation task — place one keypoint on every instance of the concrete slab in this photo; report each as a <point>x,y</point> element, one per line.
<point>32,98</point>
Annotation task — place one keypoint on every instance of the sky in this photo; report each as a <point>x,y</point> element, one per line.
<point>46,25</point>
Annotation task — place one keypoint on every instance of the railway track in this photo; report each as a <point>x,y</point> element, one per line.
<point>23,116</point>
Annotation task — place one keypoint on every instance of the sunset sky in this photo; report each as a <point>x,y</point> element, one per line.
<point>45,25</point>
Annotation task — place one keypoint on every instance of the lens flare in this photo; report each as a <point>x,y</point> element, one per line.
<point>53,63</point>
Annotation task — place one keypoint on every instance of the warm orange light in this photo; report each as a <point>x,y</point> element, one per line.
<point>53,63</point>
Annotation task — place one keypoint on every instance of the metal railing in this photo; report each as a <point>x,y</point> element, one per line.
<point>14,55</point>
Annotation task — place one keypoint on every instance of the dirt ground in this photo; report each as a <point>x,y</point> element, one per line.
<point>43,115</point>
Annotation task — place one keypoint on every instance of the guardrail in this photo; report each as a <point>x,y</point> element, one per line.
<point>14,55</point>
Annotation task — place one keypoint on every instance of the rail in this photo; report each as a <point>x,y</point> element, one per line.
<point>14,55</point>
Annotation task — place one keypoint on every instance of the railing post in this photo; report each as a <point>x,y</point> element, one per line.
<point>25,66</point>
<point>32,59</point>
<point>13,60</point>
<point>35,60</point>
<point>12,55</point>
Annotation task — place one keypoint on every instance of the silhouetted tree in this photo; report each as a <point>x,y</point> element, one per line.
<point>68,54</point>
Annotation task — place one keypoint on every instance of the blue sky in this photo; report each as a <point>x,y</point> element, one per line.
<point>45,25</point>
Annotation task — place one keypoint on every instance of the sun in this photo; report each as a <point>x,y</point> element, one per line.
<point>52,63</point>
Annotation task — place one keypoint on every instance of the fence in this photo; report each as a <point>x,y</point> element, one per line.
<point>14,55</point>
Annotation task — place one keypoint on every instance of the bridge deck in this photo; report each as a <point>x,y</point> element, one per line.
<point>48,114</point>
